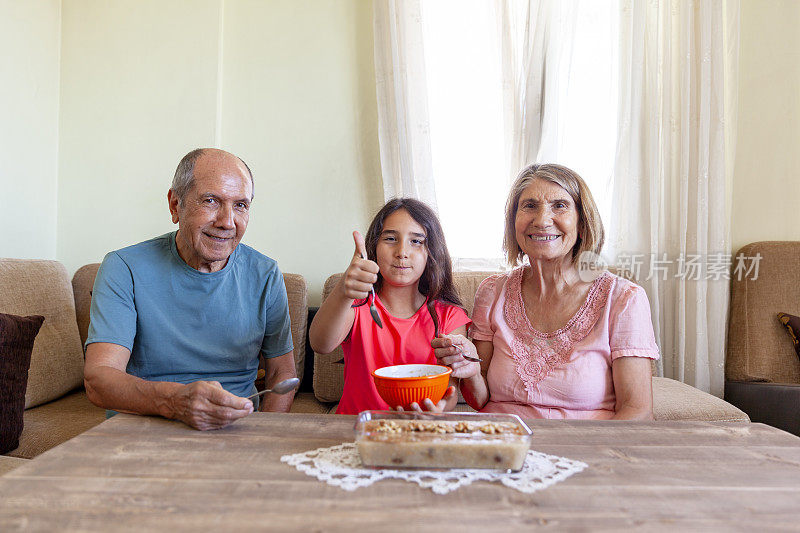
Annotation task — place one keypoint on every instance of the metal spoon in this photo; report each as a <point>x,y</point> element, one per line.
<point>372,309</point>
<point>282,387</point>
<point>470,358</point>
<point>436,335</point>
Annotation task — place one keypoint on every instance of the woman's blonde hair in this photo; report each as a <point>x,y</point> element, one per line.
<point>590,227</point>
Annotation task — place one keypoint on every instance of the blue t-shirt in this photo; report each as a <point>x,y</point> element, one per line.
<point>182,325</point>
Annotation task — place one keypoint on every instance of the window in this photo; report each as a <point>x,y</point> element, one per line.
<point>465,102</point>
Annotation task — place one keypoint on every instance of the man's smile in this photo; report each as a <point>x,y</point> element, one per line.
<point>216,238</point>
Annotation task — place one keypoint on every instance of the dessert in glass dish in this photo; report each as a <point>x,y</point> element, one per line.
<point>442,440</point>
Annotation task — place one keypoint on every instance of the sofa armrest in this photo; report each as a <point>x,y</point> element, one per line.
<point>674,400</point>
<point>775,404</point>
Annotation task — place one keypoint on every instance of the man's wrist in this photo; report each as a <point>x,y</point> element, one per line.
<point>163,395</point>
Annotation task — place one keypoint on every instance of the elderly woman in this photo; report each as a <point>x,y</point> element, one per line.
<point>555,345</point>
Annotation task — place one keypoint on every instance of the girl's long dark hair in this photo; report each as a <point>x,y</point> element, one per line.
<point>436,281</point>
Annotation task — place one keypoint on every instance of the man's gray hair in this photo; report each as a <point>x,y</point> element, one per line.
<point>183,181</point>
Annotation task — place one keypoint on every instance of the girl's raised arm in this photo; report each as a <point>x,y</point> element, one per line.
<point>335,317</point>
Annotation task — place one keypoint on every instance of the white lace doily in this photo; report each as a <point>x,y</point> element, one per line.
<point>341,466</point>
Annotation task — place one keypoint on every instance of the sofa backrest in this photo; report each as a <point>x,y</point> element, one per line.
<point>37,287</point>
<point>296,291</point>
<point>759,348</point>
<point>82,283</point>
<point>329,367</point>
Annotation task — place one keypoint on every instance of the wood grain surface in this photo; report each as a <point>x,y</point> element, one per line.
<point>145,473</point>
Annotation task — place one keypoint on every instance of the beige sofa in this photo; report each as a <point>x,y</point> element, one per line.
<point>672,400</point>
<point>762,369</point>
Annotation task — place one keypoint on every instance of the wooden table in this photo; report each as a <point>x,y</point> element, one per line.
<point>143,473</point>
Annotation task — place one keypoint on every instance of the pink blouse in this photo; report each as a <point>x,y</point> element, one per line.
<point>565,373</point>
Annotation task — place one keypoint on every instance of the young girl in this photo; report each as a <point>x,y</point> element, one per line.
<point>405,259</point>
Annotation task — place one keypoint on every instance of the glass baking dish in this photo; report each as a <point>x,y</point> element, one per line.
<point>442,440</point>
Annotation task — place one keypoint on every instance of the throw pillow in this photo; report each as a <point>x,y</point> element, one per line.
<point>792,323</point>
<point>17,334</point>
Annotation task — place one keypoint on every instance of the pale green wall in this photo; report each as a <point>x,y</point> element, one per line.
<point>138,90</point>
<point>29,40</point>
<point>288,86</point>
<point>766,180</point>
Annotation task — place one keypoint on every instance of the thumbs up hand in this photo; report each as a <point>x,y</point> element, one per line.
<point>361,247</point>
<point>361,274</point>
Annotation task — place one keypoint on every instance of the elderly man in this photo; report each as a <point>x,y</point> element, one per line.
<point>178,322</point>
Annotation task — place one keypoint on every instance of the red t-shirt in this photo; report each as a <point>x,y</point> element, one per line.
<point>401,341</point>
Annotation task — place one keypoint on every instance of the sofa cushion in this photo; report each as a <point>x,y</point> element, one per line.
<point>305,402</point>
<point>36,287</point>
<point>51,424</point>
<point>17,334</point>
<point>792,324</point>
<point>758,347</point>
<point>673,400</point>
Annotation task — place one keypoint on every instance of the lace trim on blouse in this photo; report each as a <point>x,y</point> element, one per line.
<point>535,353</point>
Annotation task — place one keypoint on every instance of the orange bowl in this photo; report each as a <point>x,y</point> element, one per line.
<point>404,384</point>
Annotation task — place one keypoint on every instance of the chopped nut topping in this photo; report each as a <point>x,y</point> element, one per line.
<point>440,427</point>
<point>388,426</point>
<point>462,427</point>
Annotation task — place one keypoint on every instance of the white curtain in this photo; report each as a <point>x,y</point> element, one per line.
<point>536,44</point>
<point>530,46</point>
<point>403,120</point>
<point>674,156</point>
